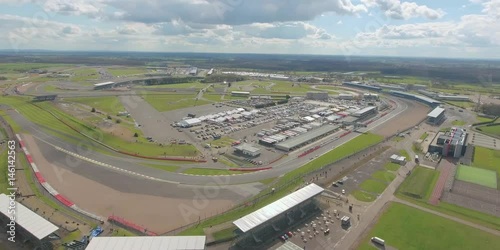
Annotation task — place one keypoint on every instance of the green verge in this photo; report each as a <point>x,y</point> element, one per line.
<point>419,183</point>
<point>224,233</point>
<point>404,153</point>
<point>108,104</point>
<point>479,176</point>
<point>392,166</point>
<point>423,136</point>
<point>163,167</point>
<point>487,159</point>
<point>373,186</point>
<point>361,195</point>
<point>417,229</point>
<point>384,176</point>
<point>290,181</point>
<point>458,123</point>
<point>492,130</point>
<point>170,102</point>
<point>118,231</point>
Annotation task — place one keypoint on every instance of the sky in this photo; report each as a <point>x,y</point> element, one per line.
<point>425,28</point>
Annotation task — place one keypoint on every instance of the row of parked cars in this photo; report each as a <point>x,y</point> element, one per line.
<point>286,236</point>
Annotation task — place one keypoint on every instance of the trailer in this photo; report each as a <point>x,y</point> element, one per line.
<point>378,240</point>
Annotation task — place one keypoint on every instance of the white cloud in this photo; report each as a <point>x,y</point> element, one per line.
<point>90,8</point>
<point>404,10</point>
<point>288,30</point>
<point>339,22</point>
<point>492,8</point>
<point>233,12</point>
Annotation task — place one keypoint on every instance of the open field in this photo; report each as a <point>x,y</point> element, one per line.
<point>478,176</point>
<point>373,186</point>
<point>392,166</point>
<point>492,130</point>
<point>419,184</point>
<point>361,195</point>
<point>6,68</point>
<point>458,123</point>
<point>462,104</point>
<point>126,71</point>
<point>483,119</point>
<point>487,158</point>
<point>84,75</point>
<point>108,104</point>
<point>172,102</point>
<point>385,176</point>
<point>408,228</point>
<point>223,142</point>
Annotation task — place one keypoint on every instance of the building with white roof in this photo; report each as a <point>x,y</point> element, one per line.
<point>148,243</point>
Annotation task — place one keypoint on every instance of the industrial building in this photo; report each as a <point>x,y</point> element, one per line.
<point>240,93</point>
<point>28,224</point>
<point>391,87</point>
<point>193,71</point>
<point>306,138</point>
<point>370,97</point>
<point>449,143</point>
<point>148,242</point>
<point>398,159</point>
<point>426,100</point>
<point>103,85</point>
<point>346,96</point>
<point>365,112</point>
<point>362,86</point>
<point>265,224</point>
<point>458,98</point>
<point>436,116</point>
<point>320,96</point>
<point>189,122</point>
<point>247,149</point>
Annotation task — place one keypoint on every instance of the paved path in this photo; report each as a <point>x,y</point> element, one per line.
<point>446,167</point>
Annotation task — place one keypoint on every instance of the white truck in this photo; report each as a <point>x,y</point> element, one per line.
<point>378,240</point>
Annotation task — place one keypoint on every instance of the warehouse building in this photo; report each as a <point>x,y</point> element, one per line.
<point>365,112</point>
<point>458,98</point>
<point>240,93</point>
<point>319,96</point>
<point>346,96</point>
<point>306,138</point>
<point>247,149</point>
<point>450,143</point>
<point>362,86</point>
<point>370,97</point>
<point>103,85</point>
<point>189,123</point>
<point>436,116</point>
<point>148,242</point>
<point>426,100</point>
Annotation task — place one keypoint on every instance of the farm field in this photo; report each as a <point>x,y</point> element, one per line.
<point>478,176</point>
<point>126,71</point>
<point>404,227</point>
<point>173,101</point>
<point>419,184</point>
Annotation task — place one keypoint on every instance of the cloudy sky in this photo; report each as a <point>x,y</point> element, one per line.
<point>430,28</point>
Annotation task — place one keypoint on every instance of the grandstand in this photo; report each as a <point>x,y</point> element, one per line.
<point>436,116</point>
<point>28,226</point>
<point>426,100</point>
<point>304,139</point>
<point>365,112</point>
<point>42,98</point>
<point>148,243</point>
<point>260,228</point>
<point>103,85</point>
<point>362,86</point>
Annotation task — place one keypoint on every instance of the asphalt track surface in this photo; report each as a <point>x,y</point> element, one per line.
<point>51,143</point>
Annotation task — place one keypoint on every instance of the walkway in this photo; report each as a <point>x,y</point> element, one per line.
<point>446,167</point>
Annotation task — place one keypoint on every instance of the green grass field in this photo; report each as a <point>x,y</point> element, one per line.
<point>361,195</point>
<point>164,103</point>
<point>487,159</point>
<point>483,119</point>
<point>210,171</point>
<point>108,104</point>
<point>126,71</point>
<point>408,228</point>
<point>392,166</point>
<point>458,123</point>
<point>84,75</point>
<point>419,184</point>
<point>493,130</point>
<point>384,176</point>
<point>478,176</point>
<point>403,152</point>
<point>423,136</point>
<point>6,68</point>
<point>373,186</point>
<point>223,141</point>
<point>462,104</point>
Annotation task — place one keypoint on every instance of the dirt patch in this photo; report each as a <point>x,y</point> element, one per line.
<point>119,131</point>
<point>410,117</point>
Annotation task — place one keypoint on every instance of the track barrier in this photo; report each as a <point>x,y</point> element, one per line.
<point>130,225</point>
